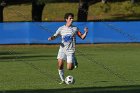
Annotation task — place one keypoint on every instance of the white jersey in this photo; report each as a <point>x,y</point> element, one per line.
<point>68,36</point>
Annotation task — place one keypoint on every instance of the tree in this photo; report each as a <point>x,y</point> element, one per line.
<point>83,9</point>
<point>104,1</point>
<point>37,10</point>
<point>2,5</point>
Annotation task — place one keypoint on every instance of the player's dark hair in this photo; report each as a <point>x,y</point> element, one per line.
<point>68,14</point>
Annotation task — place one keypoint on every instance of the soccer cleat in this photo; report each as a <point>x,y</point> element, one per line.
<point>62,82</point>
<point>76,65</point>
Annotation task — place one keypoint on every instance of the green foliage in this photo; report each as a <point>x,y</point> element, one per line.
<point>55,1</point>
<point>105,7</point>
<point>55,11</point>
<point>128,7</point>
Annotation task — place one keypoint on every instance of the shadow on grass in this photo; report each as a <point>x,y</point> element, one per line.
<point>114,89</point>
<point>25,57</point>
<point>9,53</point>
<point>7,56</point>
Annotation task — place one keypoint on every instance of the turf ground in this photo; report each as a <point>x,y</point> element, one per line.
<point>103,68</point>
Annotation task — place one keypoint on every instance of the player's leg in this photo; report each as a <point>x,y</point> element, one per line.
<point>61,57</point>
<point>61,70</point>
<point>70,64</point>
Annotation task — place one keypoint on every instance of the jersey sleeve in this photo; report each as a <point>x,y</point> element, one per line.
<point>57,33</point>
<point>78,32</point>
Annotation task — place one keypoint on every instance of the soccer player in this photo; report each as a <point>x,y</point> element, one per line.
<point>66,51</point>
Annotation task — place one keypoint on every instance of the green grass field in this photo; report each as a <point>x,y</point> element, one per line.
<point>110,68</point>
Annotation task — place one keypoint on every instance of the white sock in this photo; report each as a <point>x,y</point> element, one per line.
<point>61,74</point>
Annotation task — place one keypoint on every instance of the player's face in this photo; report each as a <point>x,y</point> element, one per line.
<point>70,19</point>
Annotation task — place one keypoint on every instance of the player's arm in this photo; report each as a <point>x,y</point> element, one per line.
<point>82,36</point>
<point>52,38</point>
<point>55,35</point>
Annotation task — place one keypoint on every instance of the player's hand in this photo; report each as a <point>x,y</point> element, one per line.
<point>52,38</point>
<point>49,38</point>
<point>86,29</point>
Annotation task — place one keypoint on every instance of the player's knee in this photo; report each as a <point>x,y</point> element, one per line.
<point>60,67</point>
<point>70,68</point>
<point>60,64</point>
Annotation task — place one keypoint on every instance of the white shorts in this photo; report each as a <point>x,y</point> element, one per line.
<point>65,55</point>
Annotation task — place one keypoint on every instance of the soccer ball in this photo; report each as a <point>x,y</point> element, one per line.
<point>69,80</point>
